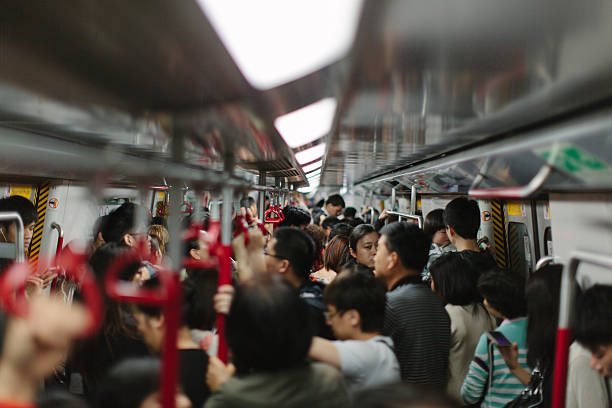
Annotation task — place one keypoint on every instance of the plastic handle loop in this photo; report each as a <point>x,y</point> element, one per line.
<point>188,208</point>
<point>75,266</point>
<point>274,215</point>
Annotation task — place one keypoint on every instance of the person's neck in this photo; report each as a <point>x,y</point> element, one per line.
<point>466,245</point>
<point>184,340</point>
<point>365,335</point>
<point>399,275</point>
<point>293,280</point>
<point>15,386</point>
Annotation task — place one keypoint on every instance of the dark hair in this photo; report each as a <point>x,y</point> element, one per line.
<point>295,217</point>
<point>197,307</point>
<point>356,222</point>
<point>409,242</point>
<point>335,200</point>
<point>543,293</point>
<point>336,253</point>
<point>359,232</point>
<point>350,212</point>
<point>463,216</point>
<point>121,221</point>
<point>20,205</point>
<point>341,228</point>
<point>56,398</point>
<point>105,255</point>
<point>268,326</point>
<point>434,222</point>
<point>99,226</point>
<point>297,247</point>
<point>129,383</point>
<point>400,395</point>
<point>320,203</point>
<point>454,279</point>
<point>330,221</point>
<point>158,220</point>
<point>504,292</point>
<point>593,325</point>
<point>318,237</point>
<point>359,291</point>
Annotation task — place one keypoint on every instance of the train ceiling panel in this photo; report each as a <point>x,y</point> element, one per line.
<point>430,78</point>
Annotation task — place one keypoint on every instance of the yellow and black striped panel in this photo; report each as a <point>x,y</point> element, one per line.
<point>42,195</point>
<point>499,233</point>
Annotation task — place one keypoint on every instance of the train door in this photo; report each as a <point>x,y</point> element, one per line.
<point>544,228</point>
<point>521,237</point>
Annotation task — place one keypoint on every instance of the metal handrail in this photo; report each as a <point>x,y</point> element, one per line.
<point>512,192</point>
<point>566,306</point>
<point>545,260</point>
<point>405,215</point>
<point>19,249</point>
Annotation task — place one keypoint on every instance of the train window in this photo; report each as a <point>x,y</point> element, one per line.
<point>519,248</point>
<point>548,244</point>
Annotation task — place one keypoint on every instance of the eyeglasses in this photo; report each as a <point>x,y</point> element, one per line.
<point>330,315</point>
<point>273,255</point>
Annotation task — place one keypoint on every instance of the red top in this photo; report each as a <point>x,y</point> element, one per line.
<point>8,404</point>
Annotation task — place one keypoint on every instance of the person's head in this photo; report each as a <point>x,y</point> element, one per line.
<point>336,253</point>
<point>363,242</point>
<point>356,222</point>
<point>503,293</point>
<point>328,223</point>
<point>97,238</point>
<point>134,383</point>
<point>26,211</point>
<point>453,279</point>
<point>341,228</point>
<point>593,327</point>
<point>290,253</point>
<point>349,212</point>
<point>355,304</point>
<point>121,225</point>
<point>334,205</point>
<point>295,217</point>
<point>158,220</point>
<point>197,309</point>
<point>542,294</point>
<point>103,257</point>
<point>462,219</point>
<point>401,395</point>
<point>435,228</point>
<point>318,236</point>
<point>161,233</point>
<point>403,249</point>
<point>268,326</point>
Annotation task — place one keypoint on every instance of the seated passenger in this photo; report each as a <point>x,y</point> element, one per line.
<point>355,310</point>
<point>363,242</point>
<point>295,217</point>
<point>196,310</point>
<point>462,220</point>
<point>453,281</point>
<point>269,336</point>
<point>414,318</point>
<point>435,229</point>
<point>504,297</point>
<point>134,383</point>
<point>593,330</point>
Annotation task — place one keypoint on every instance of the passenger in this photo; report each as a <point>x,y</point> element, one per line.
<point>333,207</point>
<point>363,242</point>
<point>196,313</point>
<point>98,239</point>
<point>593,330</point>
<point>504,297</point>
<point>356,222</point>
<point>349,213</point>
<point>414,318</point>
<point>328,223</point>
<point>462,220</point>
<point>121,225</point>
<point>318,236</point>
<point>341,228</point>
<point>291,253</point>
<point>269,335</point>
<point>134,383</point>
<point>585,387</point>
<point>403,396</point>
<point>435,229</point>
<point>335,255</point>
<point>295,217</point>
<point>453,281</point>
<point>355,304</point>
<point>163,237</point>
<point>31,347</point>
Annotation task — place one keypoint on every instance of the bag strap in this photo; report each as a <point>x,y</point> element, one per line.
<point>490,379</point>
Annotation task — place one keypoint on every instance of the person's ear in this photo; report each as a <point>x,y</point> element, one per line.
<point>393,260</point>
<point>353,317</point>
<point>450,231</point>
<point>353,253</point>
<point>129,240</point>
<point>284,266</point>
<point>158,322</point>
<point>194,254</point>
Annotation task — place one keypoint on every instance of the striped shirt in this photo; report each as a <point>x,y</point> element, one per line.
<point>505,386</point>
<point>420,328</point>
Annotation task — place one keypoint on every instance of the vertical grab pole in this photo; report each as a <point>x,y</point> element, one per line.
<point>262,196</point>
<point>225,264</point>
<point>413,200</point>
<point>393,198</point>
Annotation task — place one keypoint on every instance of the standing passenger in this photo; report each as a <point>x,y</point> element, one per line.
<point>363,242</point>
<point>435,229</point>
<point>332,208</point>
<point>414,318</point>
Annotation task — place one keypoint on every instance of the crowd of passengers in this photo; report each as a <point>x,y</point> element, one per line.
<point>325,310</point>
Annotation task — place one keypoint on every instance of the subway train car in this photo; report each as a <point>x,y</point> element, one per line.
<point>198,107</point>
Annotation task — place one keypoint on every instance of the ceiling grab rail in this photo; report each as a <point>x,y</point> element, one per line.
<point>512,192</point>
<point>19,249</point>
<point>402,215</point>
<point>566,307</point>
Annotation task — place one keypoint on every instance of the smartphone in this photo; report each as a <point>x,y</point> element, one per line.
<point>499,339</point>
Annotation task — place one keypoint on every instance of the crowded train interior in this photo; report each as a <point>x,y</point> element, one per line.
<point>296,204</point>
